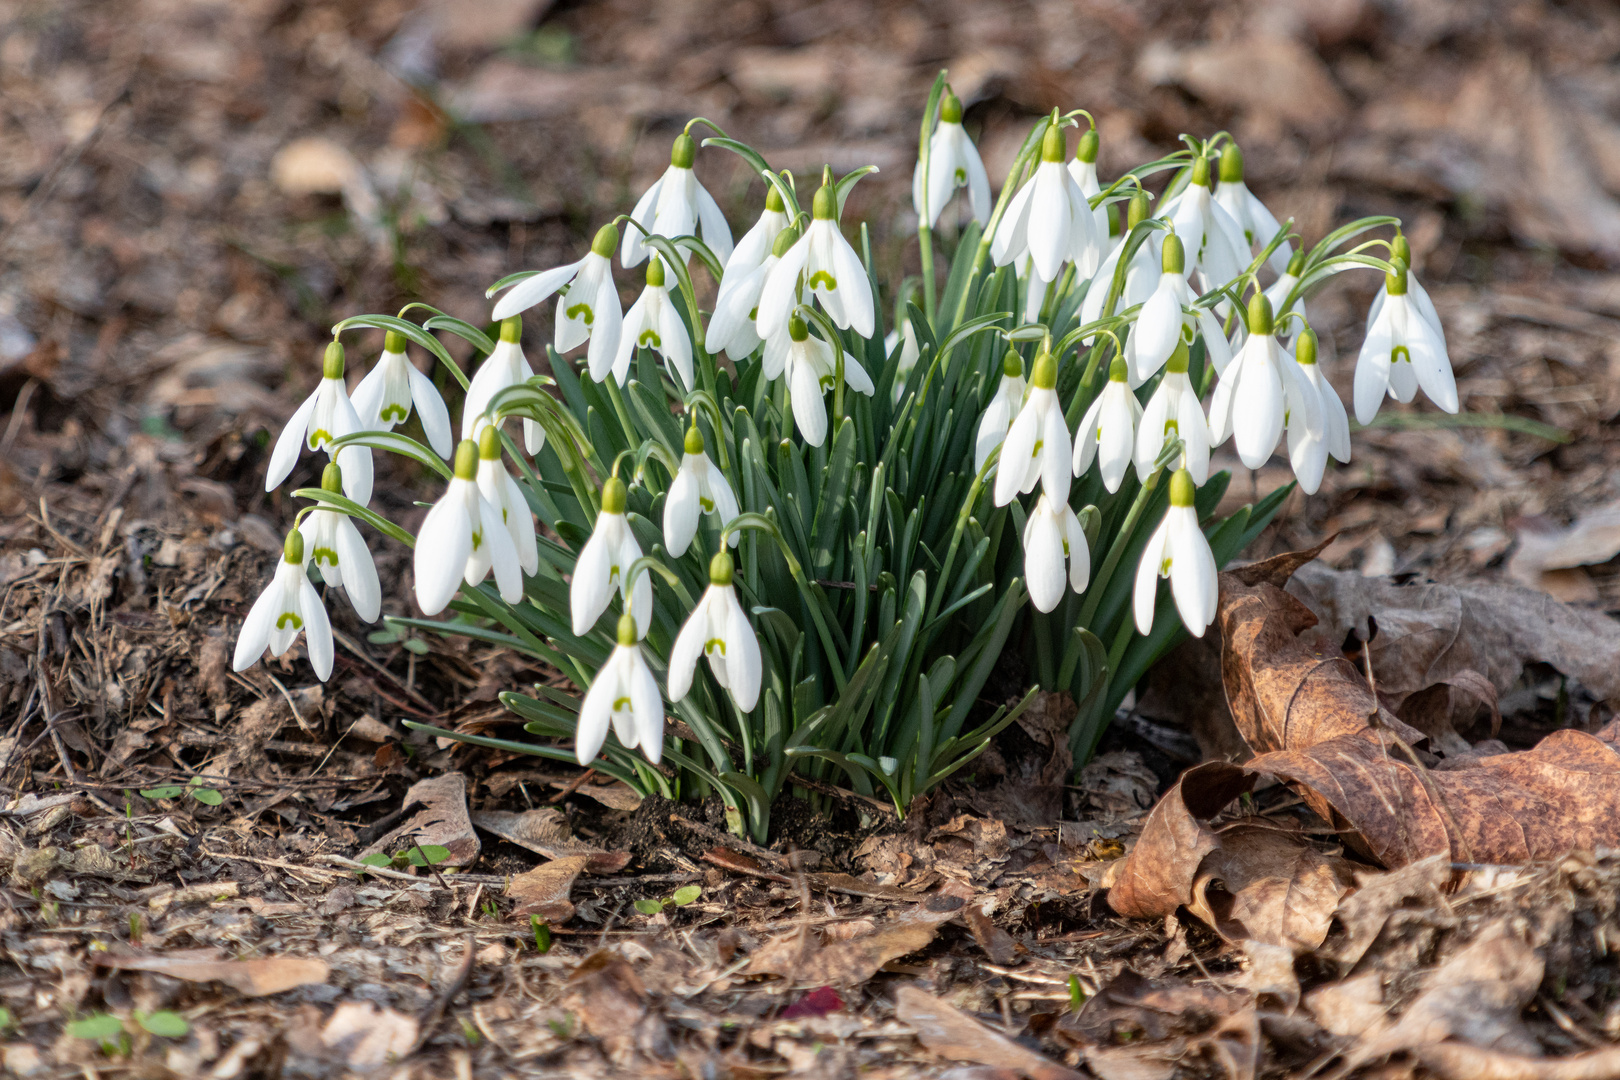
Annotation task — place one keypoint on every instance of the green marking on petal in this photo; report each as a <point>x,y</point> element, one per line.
<point>477,539</point>
<point>325,553</point>
<point>1400,354</point>
<point>395,413</point>
<point>1164,567</point>
<point>1035,453</point>
<point>649,337</point>
<point>822,279</point>
<point>707,504</point>
<point>319,438</point>
<point>289,617</point>
<point>574,312</point>
<point>621,704</point>
<point>714,643</point>
<point>1171,425</point>
<point>961,176</point>
<point>753,312</point>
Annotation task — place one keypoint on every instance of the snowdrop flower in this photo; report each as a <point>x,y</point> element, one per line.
<point>1158,325</point>
<point>1108,430</point>
<point>757,242</point>
<point>325,415</point>
<point>735,326</point>
<point>906,338</point>
<point>589,309</point>
<point>677,205</point>
<point>1003,408</point>
<point>719,630</point>
<point>462,539</point>
<point>506,366</point>
<point>1337,424</point>
<point>953,162</point>
<point>1050,219</point>
<point>831,270</point>
<point>605,561</point>
<point>498,488</point>
<point>287,605</point>
<point>698,488</point>
<point>334,545</point>
<point>1037,446</point>
<point>1179,551</point>
<point>384,397</point>
<point>1215,243</point>
<point>1403,350</point>
<point>1141,273</point>
<point>653,322</point>
<point>1052,534</point>
<point>1084,170</point>
<point>624,693</point>
<point>1262,390</point>
<point>811,371</point>
<point>1259,225</point>
<point>1174,410</point>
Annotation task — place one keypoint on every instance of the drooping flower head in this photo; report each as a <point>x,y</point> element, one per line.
<point>1403,350</point>
<point>1083,167</point>
<point>625,694</point>
<point>1141,273</point>
<point>334,545</point>
<point>677,205</point>
<point>288,604</point>
<point>736,326</point>
<point>502,492</point>
<point>462,539</point>
<point>590,308</point>
<point>1277,292</point>
<point>506,366</point>
<point>718,629</point>
<point>325,415</point>
<point>653,323</point>
<point>1178,550</point>
<point>1215,243</point>
<point>1049,219</point>
<point>1261,390</point>
<point>811,370</point>
<point>1334,419</point>
<point>1259,225</point>
<point>1174,412</point>
<point>756,243</point>
<point>604,562</point>
<point>385,396</point>
<point>1158,325</point>
<point>1052,534</point>
<point>698,488</point>
<point>998,417</point>
<point>953,162</point>
<point>1037,446</point>
<point>1108,430</point>
<point>831,270</point>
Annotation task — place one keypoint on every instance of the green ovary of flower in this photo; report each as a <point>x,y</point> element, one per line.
<point>574,310</point>
<point>288,617</point>
<point>823,280</point>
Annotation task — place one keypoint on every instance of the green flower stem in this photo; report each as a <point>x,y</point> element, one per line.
<point>962,517</point>
<point>1122,540</point>
<point>925,246</point>
<point>623,412</point>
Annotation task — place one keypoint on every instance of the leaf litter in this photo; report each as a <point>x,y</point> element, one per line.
<point>133,536</point>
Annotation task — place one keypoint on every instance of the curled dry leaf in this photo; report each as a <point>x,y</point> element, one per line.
<point>802,957</point>
<point>441,819</point>
<point>544,890</point>
<point>1137,1028</point>
<point>252,978</point>
<point>952,1034</point>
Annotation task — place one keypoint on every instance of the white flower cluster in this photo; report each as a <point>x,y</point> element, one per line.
<point>784,287</point>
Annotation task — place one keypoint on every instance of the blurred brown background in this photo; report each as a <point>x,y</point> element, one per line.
<point>193,191</point>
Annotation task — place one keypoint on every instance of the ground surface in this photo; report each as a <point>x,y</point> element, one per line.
<point>169,270</point>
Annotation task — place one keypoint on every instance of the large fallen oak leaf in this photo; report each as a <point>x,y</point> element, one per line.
<point>1306,711</point>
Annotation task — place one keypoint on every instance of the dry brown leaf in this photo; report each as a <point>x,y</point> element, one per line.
<point>611,1001</point>
<point>1428,632</point>
<point>253,978</point>
<point>442,820</point>
<point>1264,885</point>
<point>544,890</point>
<point>1362,914</point>
<point>543,831</point>
<point>952,1034</point>
<point>365,1036</point>
<point>1157,876</point>
<point>798,955</point>
<point>1163,1024</point>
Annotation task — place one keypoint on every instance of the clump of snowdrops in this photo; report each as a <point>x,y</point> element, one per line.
<point>779,540</point>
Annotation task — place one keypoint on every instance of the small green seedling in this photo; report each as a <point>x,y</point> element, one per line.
<point>1077,995</point>
<point>683,896</point>
<point>169,1025</point>
<point>394,634</point>
<point>205,795</point>
<point>542,935</point>
<point>105,1029</point>
<point>425,855</point>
